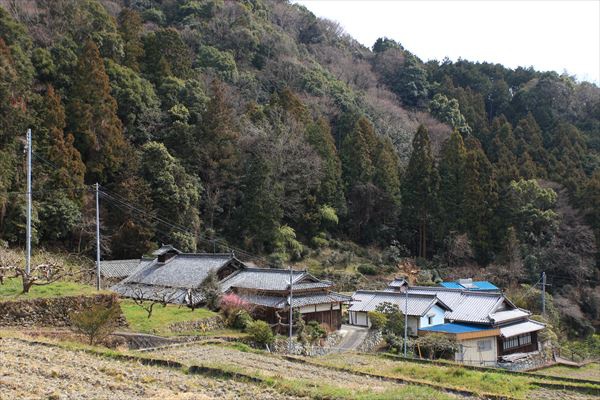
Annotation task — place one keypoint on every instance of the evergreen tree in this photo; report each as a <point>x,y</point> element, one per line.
<point>331,189</point>
<point>93,117</point>
<point>175,194</point>
<point>130,28</point>
<point>529,137</point>
<point>481,201</point>
<point>59,149</point>
<point>165,54</point>
<point>387,170</point>
<point>357,153</point>
<point>260,211</point>
<point>452,184</point>
<point>502,152</point>
<point>419,188</point>
<point>217,155</point>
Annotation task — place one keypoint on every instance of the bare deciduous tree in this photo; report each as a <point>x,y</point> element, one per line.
<point>148,297</point>
<point>44,273</point>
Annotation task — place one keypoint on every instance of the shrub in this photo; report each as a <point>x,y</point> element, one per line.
<point>211,291</point>
<point>260,333</point>
<point>235,311</point>
<point>395,319</point>
<point>315,331</point>
<point>378,320</point>
<point>241,319</point>
<point>437,345</point>
<point>367,269</point>
<point>98,321</point>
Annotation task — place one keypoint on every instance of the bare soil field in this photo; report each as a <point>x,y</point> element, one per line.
<point>30,371</point>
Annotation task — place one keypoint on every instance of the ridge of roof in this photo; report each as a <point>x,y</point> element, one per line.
<point>383,292</point>
<point>457,290</point>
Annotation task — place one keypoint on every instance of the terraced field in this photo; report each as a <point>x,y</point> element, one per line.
<point>364,374</point>
<point>314,380</point>
<point>62,370</point>
<point>30,371</point>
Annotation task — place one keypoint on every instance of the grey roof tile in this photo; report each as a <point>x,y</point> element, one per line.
<point>467,306</point>
<point>182,271</point>
<point>262,279</point>
<point>118,268</point>
<point>418,304</point>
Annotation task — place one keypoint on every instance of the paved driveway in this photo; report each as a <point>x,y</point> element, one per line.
<point>354,337</point>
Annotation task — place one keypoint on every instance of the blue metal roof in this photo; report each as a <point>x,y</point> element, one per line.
<point>455,328</point>
<point>485,285</point>
<point>477,285</point>
<point>451,285</point>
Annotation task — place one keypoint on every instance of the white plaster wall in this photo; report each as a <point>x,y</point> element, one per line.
<point>438,317</point>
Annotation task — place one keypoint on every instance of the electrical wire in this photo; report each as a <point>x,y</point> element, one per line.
<point>124,203</point>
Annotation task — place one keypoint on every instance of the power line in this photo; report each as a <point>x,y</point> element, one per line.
<point>120,200</point>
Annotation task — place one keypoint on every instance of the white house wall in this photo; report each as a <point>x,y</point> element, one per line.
<point>438,317</point>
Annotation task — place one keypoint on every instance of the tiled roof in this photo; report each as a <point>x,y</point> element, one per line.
<point>319,298</point>
<point>418,304</point>
<point>312,285</point>
<point>263,279</point>
<point>118,268</point>
<point>397,282</point>
<point>467,306</point>
<point>181,271</point>
<point>297,301</point>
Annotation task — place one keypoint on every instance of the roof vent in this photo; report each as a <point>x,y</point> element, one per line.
<point>467,283</point>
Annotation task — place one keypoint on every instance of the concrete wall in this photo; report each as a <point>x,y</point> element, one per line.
<point>481,351</point>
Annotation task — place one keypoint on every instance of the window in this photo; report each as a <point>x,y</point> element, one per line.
<point>484,345</point>
<point>517,341</point>
<point>430,319</point>
<point>525,339</point>
<point>511,343</point>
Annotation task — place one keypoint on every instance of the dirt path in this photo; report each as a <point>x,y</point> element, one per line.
<point>30,371</point>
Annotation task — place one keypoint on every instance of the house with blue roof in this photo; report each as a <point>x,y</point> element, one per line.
<point>488,327</point>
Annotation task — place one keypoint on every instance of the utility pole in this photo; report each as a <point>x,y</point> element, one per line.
<point>405,318</point>
<point>544,293</point>
<point>28,233</point>
<point>96,186</point>
<point>291,308</point>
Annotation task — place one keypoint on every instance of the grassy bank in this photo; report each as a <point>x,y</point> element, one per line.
<point>162,317</point>
<point>12,287</point>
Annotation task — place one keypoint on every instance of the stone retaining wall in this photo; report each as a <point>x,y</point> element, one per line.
<point>46,312</point>
<point>200,325</point>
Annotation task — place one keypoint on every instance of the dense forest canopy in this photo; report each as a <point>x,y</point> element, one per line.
<point>254,124</point>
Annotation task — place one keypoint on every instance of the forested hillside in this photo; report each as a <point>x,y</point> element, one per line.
<point>254,124</point>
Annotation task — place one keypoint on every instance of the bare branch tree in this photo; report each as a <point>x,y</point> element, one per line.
<point>149,297</point>
<point>41,274</point>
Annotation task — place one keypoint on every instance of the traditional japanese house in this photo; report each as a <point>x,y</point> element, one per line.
<point>176,277</point>
<point>270,291</point>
